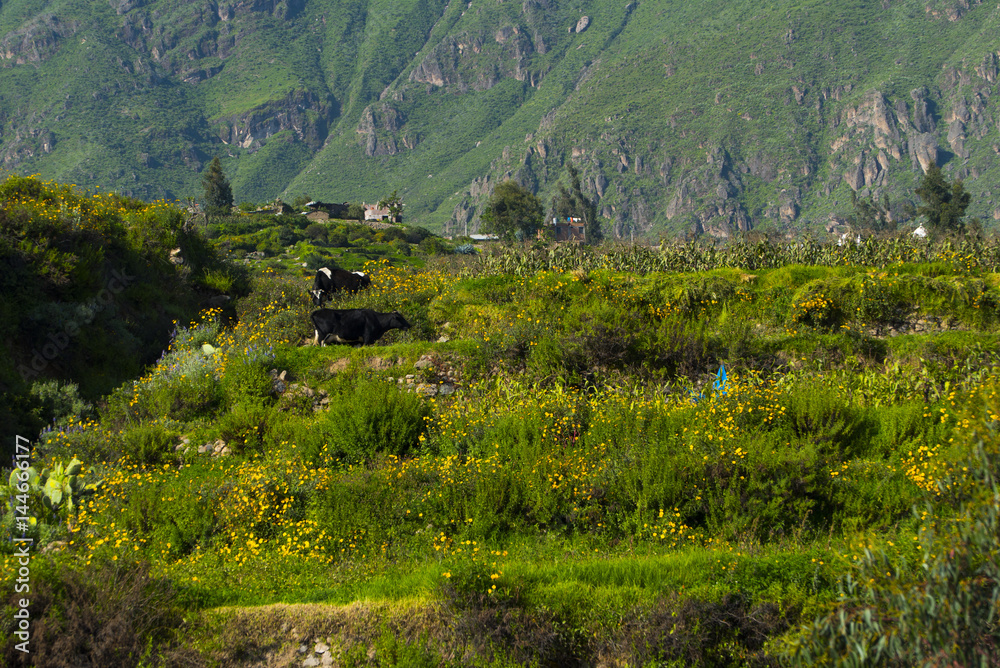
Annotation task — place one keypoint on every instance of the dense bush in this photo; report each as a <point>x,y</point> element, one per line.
<point>148,444</point>
<point>338,239</point>
<point>414,235</point>
<point>371,418</point>
<point>434,246</point>
<point>245,425</point>
<point>944,613</point>
<point>316,232</point>
<point>109,613</point>
<point>247,378</point>
<point>400,247</point>
<point>61,401</point>
<point>360,234</point>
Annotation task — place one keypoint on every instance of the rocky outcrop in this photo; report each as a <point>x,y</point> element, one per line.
<point>35,41</point>
<point>952,10</point>
<point>472,61</point>
<point>922,119</point>
<point>924,150</point>
<point>302,112</point>
<point>721,219</point>
<point>378,130</point>
<point>279,9</point>
<point>124,6</point>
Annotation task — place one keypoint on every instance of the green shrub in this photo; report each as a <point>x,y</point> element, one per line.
<point>218,280</point>
<point>245,425</point>
<point>813,305</point>
<point>314,261</point>
<point>61,401</point>
<point>375,417</point>
<point>414,235</point>
<point>561,361</point>
<point>434,246</point>
<point>109,613</point>
<point>389,234</point>
<point>316,232</point>
<point>148,444</point>
<point>363,506</point>
<point>490,608</point>
<point>186,397</point>
<point>877,302</point>
<point>942,613</point>
<point>338,239</point>
<point>360,234</point>
<point>90,444</point>
<point>247,378</point>
<point>785,487</point>
<point>400,247</point>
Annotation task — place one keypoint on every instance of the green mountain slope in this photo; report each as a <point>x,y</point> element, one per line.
<point>708,117</point>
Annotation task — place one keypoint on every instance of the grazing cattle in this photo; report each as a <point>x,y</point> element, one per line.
<point>354,325</point>
<point>329,281</point>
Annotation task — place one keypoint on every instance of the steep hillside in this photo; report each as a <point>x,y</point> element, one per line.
<point>91,285</point>
<point>711,117</point>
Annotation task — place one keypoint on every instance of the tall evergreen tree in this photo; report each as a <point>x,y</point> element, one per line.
<point>572,203</point>
<point>218,192</point>
<point>944,203</point>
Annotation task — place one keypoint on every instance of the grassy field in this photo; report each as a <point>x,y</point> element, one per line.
<point>755,455</point>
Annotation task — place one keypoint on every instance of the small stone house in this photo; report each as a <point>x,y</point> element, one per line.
<point>332,210</point>
<point>277,207</point>
<point>373,212</point>
<point>318,216</point>
<point>571,229</point>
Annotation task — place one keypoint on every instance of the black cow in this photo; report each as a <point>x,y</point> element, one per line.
<point>354,325</point>
<point>329,281</point>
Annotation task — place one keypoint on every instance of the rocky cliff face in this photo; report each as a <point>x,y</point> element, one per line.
<point>301,112</point>
<point>35,41</point>
<point>872,141</point>
<point>668,135</point>
<point>478,62</point>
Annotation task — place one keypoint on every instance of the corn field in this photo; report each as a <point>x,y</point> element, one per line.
<point>961,254</point>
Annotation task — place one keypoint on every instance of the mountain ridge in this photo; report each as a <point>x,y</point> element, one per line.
<point>711,119</point>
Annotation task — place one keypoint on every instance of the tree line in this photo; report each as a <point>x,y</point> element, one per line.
<point>514,212</point>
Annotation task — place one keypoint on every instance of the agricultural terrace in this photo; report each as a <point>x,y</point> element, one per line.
<point>552,466</point>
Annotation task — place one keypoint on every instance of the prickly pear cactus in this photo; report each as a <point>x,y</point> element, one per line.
<point>59,489</point>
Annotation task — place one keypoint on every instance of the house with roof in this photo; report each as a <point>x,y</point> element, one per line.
<point>317,210</point>
<point>376,213</point>
<point>568,229</point>
<point>275,208</point>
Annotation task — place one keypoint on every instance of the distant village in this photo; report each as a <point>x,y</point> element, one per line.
<point>571,229</point>
<point>321,212</point>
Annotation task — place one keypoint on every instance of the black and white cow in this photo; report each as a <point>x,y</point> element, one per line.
<point>329,281</point>
<point>354,325</point>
